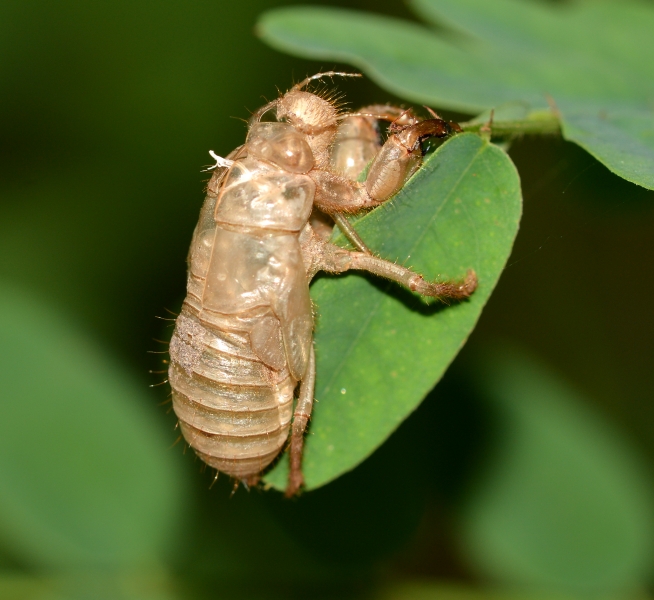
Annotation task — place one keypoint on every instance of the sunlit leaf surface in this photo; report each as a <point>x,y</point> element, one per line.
<point>379,348</point>
<point>592,61</point>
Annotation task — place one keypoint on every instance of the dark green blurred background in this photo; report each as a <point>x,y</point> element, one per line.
<point>107,113</point>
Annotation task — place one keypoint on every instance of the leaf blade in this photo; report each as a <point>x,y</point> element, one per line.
<point>622,140</point>
<point>396,54</point>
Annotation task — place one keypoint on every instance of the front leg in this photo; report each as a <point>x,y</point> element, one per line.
<point>390,169</point>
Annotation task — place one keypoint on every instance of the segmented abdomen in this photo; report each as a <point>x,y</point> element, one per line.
<point>233,409</point>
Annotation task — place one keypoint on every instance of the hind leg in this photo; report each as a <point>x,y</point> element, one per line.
<point>300,420</point>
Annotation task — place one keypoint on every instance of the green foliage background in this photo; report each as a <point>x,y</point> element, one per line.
<point>526,473</point>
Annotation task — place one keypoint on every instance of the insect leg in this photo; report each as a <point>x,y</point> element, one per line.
<point>337,260</point>
<point>350,232</point>
<point>308,80</point>
<point>388,112</point>
<point>300,420</point>
<point>456,290</point>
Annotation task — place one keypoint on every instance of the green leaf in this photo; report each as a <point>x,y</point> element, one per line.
<point>564,501</point>
<point>623,140</point>
<point>381,349</point>
<point>593,59</point>
<point>400,56</point>
<point>88,475</point>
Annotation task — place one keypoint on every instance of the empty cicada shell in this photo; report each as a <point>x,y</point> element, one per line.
<point>243,343</point>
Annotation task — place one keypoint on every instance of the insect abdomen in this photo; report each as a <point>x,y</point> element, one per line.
<point>233,409</point>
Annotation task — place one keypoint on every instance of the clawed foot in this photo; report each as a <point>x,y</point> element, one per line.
<point>447,290</point>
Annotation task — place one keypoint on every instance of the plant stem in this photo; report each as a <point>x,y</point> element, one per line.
<point>543,124</point>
